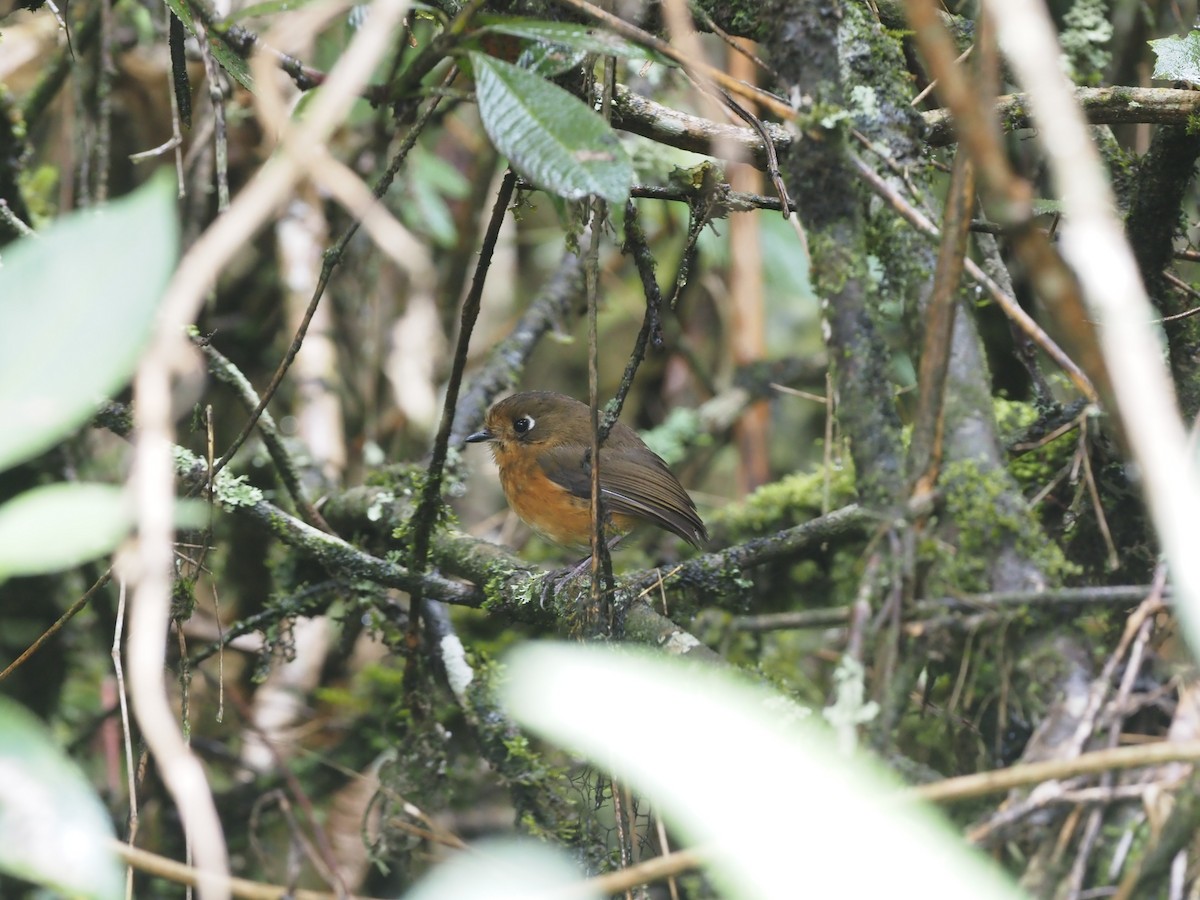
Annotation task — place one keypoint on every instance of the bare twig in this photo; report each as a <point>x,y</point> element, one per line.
<point>152,475</point>
<point>997,781</point>
<point>58,623</point>
<point>332,258</point>
<point>288,471</point>
<point>633,33</point>
<point>1094,242</point>
<point>130,764</point>
<point>425,516</point>
<point>925,453</point>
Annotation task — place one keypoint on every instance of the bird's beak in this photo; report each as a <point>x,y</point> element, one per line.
<point>480,436</point>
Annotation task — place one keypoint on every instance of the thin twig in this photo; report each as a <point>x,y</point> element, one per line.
<point>216,96</point>
<point>640,36</point>
<point>153,475</point>
<point>1089,480</point>
<point>333,256</point>
<point>999,600</point>
<point>180,873</point>
<point>58,624</point>
<point>425,517</point>
<point>997,781</point>
<point>1011,307</point>
<point>651,331</point>
<point>925,453</point>
<point>285,465</point>
<point>130,779</point>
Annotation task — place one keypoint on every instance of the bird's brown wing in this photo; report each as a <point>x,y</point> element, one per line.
<point>634,482</point>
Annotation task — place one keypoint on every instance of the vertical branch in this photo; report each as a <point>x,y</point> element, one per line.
<point>333,256</point>
<point>426,513</point>
<point>925,454</point>
<point>1141,391</point>
<point>216,96</point>
<point>130,765</point>
<point>602,574</point>
<point>152,483</point>
<point>105,70</point>
<point>747,327</point>
<point>636,246</point>
<point>1010,195</point>
<point>151,480</point>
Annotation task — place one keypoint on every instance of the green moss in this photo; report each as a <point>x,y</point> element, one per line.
<point>680,432</point>
<point>39,186</point>
<point>1086,33</point>
<point>1035,468</point>
<point>792,499</point>
<point>499,589</point>
<point>230,490</point>
<point>986,516</point>
<point>834,265</point>
<point>409,481</point>
<point>183,598</point>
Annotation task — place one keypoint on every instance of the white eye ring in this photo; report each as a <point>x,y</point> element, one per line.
<point>524,424</point>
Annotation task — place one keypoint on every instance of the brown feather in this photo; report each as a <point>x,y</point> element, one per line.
<point>634,481</point>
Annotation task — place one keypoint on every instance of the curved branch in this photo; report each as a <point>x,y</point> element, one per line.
<point>1102,106</point>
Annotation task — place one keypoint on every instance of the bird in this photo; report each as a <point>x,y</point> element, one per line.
<point>541,441</point>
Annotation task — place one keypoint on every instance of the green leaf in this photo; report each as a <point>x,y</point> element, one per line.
<point>503,870</point>
<point>421,198</point>
<point>550,60</point>
<point>580,38</point>
<point>76,307</point>
<point>53,829</point>
<point>58,526</point>
<point>1045,206</point>
<point>1177,58</point>
<point>226,58</point>
<point>731,762</point>
<point>265,9</point>
<point>192,515</point>
<point>549,136</point>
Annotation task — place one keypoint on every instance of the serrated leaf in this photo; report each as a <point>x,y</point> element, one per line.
<point>1177,58</point>
<point>53,829</point>
<point>549,136</point>
<point>76,307</point>
<point>226,58</point>
<point>578,37</point>
<point>59,526</point>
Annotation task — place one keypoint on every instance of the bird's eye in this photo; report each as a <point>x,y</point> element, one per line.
<point>523,425</point>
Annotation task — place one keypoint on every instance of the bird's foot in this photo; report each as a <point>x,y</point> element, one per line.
<point>560,578</point>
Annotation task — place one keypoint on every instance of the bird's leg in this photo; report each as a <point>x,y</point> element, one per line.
<point>586,562</point>
<point>576,570</point>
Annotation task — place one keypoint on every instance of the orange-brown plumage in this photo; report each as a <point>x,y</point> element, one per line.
<point>541,441</point>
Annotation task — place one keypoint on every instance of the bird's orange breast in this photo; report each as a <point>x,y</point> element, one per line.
<point>545,506</point>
